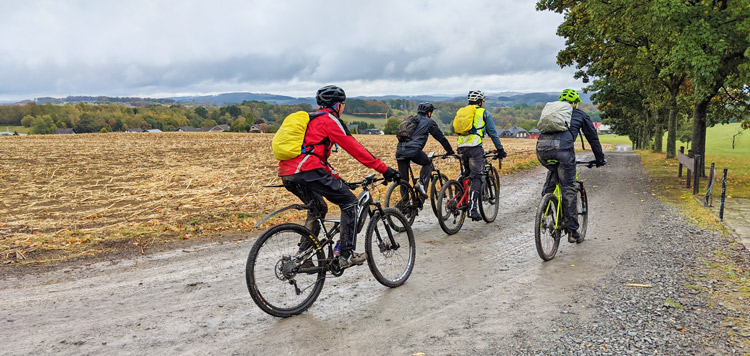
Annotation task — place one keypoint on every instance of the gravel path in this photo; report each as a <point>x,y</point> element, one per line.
<point>483,291</point>
<point>674,316</point>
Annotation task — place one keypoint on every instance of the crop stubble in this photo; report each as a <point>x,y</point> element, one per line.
<point>70,192</point>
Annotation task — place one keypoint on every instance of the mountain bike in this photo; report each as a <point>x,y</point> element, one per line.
<point>284,277</point>
<point>453,199</point>
<point>549,222</point>
<point>404,197</point>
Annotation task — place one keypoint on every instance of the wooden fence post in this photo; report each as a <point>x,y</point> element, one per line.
<point>679,172</point>
<point>696,174</point>
<point>723,195</point>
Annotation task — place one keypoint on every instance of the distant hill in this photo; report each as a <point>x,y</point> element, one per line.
<point>103,100</point>
<point>237,98</point>
<point>493,99</point>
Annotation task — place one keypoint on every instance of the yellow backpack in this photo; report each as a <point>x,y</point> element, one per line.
<point>288,142</point>
<point>463,123</point>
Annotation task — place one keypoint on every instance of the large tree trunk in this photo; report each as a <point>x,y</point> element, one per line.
<point>672,131</point>
<point>658,138</point>
<point>658,131</point>
<point>699,131</point>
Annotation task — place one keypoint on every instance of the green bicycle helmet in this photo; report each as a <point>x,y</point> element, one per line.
<point>570,95</point>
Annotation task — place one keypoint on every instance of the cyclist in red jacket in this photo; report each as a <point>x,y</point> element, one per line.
<point>310,177</point>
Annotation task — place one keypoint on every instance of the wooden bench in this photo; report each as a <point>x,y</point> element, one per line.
<point>692,165</point>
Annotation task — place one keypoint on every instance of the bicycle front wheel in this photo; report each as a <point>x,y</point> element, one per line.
<point>390,253</point>
<point>582,212</point>
<point>281,281</point>
<point>546,235</point>
<point>451,213</point>
<point>401,196</point>
<point>489,200</point>
<point>438,181</point>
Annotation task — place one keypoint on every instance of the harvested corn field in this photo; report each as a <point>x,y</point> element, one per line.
<point>68,194</point>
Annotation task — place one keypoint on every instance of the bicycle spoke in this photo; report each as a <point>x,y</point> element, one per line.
<point>273,276</point>
<point>390,252</point>
<point>546,235</point>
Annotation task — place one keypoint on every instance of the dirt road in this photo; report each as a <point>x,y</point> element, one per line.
<point>481,291</point>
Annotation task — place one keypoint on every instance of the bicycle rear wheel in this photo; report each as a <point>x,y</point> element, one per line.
<point>546,236</point>
<point>489,200</point>
<point>582,212</point>
<point>279,280</point>
<point>402,196</point>
<point>437,183</point>
<point>450,215</point>
<point>391,264</point>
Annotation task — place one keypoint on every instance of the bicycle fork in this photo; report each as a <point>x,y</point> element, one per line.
<point>393,244</point>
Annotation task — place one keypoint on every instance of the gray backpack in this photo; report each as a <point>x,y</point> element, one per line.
<point>555,117</point>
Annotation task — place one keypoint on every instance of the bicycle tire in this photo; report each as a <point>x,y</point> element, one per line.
<point>450,216</point>
<point>582,212</point>
<point>489,200</point>
<point>390,267</point>
<point>546,237</point>
<point>496,174</point>
<point>405,205</point>
<point>266,265</point>
<point>437,183</point>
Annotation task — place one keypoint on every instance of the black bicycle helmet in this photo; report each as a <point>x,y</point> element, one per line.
<point>329,95</point>
<point>425,108</point>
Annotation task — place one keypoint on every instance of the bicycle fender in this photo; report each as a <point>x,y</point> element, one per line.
<point>265,218</point>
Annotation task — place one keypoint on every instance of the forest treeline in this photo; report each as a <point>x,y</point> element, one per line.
<point>113,117</point>
<point>109,117</point>
<point>657,66</point>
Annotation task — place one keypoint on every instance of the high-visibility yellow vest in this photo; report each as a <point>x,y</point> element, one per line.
<point>475,138</point>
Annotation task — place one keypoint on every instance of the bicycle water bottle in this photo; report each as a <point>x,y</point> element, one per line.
<point>337,249</point>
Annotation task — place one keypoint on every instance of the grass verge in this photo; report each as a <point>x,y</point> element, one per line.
<point>725,278</point>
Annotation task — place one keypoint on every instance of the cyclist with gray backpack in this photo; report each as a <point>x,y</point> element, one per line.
<point>412,136</point>
<point>560,123</point>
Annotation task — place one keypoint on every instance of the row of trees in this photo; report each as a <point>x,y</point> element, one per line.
<point>660,65</point>
<point>84,117</point>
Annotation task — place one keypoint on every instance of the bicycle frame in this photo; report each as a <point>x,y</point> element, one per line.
<point>558,194</point>
<point>434,173</point>
<point>466,181</point>
<point>364,204</point>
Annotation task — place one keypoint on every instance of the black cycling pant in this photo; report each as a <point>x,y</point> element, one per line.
<point>564,173</point>
<point>311,187</point>
<point>419,158</point>
<point>473,160</point>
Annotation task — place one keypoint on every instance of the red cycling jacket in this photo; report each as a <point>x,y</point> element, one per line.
<point>322,133</point>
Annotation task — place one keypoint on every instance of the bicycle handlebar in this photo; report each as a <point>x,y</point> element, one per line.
<point>369,180</point>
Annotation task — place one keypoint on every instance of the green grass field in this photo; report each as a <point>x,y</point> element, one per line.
<point>19,129</point>
<point>719,151</point>
<point>378,122</point>
<point>615,140</point>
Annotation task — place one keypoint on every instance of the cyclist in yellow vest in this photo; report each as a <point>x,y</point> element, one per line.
<point>472,152</point>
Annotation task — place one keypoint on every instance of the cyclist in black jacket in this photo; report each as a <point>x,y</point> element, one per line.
<point>558,146</point>
<point>411,150</point>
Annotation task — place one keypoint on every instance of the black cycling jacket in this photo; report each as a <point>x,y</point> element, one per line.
<point>579,122</point>
<point>424,129</point>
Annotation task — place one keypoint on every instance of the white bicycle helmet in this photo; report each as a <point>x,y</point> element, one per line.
<point>475,95</point>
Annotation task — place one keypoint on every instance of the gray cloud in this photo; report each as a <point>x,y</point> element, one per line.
<point>151,48</point>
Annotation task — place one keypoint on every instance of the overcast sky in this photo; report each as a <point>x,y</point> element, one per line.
<point>154,48</point>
